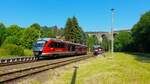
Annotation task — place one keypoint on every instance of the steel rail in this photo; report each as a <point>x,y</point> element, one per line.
<point>12,75</point>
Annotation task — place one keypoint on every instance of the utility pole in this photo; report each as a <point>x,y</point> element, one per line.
<point>112,32</point>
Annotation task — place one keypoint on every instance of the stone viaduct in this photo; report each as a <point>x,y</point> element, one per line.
<point>99,35</point>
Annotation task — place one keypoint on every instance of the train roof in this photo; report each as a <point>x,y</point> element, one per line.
<point>47,39</point>
<point>58,40</point>
<point>97,46</point>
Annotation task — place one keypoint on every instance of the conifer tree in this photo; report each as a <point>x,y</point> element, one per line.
<point>67,29</point>
<point>73,32</point>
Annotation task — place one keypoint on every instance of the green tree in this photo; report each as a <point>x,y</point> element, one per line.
<point>36,26</point>
<point>76,30</point>
<point>11,40</point>
<point>62,32</point>
<point>91,41</point>
<point>83,38</point>
<point>47,32</point>
<point>105,42</point>
<point>68,30</point>
<point>141,33</point>
<point>19,36</point>
<point>95,40</point>
<point>13,30</point>
<point>14,34</point>
<point>2,33</point>
<point>123,41</point>
<point>31,34</point>
<point>73,32</point>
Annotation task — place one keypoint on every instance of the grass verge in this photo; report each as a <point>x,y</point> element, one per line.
<point>123,68</point>
<point>4,54</point>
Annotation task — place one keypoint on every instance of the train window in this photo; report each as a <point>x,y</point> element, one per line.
<point>56,45</point>
<point>72,47</point>
<point>61,45</point>
<point>53,45</point>
<point>69,47</point>
<point>40,43</point>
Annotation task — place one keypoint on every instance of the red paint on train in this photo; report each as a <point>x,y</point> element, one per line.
<point>47,47</point>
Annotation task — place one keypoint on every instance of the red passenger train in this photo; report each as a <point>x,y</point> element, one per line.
<point>50,47</point>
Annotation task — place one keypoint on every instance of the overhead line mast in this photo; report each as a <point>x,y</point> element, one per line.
<point>112,32</point>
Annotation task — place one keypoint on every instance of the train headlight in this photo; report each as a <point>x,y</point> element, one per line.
<point>36,53</point>
<point>96,50</point>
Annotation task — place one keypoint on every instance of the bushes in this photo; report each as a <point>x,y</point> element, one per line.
<point>28,52</point>
<point>3,53</point>
<point>13,49</point>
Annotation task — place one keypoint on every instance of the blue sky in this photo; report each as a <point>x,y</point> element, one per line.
<point>93,15</point>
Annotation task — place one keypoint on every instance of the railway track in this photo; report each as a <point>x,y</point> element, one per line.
<point>22,72</point>
<point>19,60</point>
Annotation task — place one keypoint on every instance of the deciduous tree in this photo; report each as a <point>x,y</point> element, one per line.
<point>123,41</point>
<point>2,33</point>
<point>141,33</point>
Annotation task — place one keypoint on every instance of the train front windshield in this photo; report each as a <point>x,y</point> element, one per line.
<point>40,44</point>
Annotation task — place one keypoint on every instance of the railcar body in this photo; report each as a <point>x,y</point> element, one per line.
<point>97,50</point>
<point>49,47</point>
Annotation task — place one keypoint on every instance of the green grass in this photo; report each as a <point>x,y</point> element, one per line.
<point>4,54</point>
<point>124,68</point>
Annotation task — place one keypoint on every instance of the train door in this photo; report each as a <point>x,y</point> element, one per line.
<point>73,48</point>
<point>59,47</point>
<point>77,49</point>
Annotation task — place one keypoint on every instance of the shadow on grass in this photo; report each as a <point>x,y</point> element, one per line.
<point>73,80</point>
<point>142,57</point>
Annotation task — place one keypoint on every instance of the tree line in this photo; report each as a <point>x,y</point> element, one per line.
<point>25,37</point>
<point>20,38</point>
<point>138,39</point>
<point>15,39</point>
